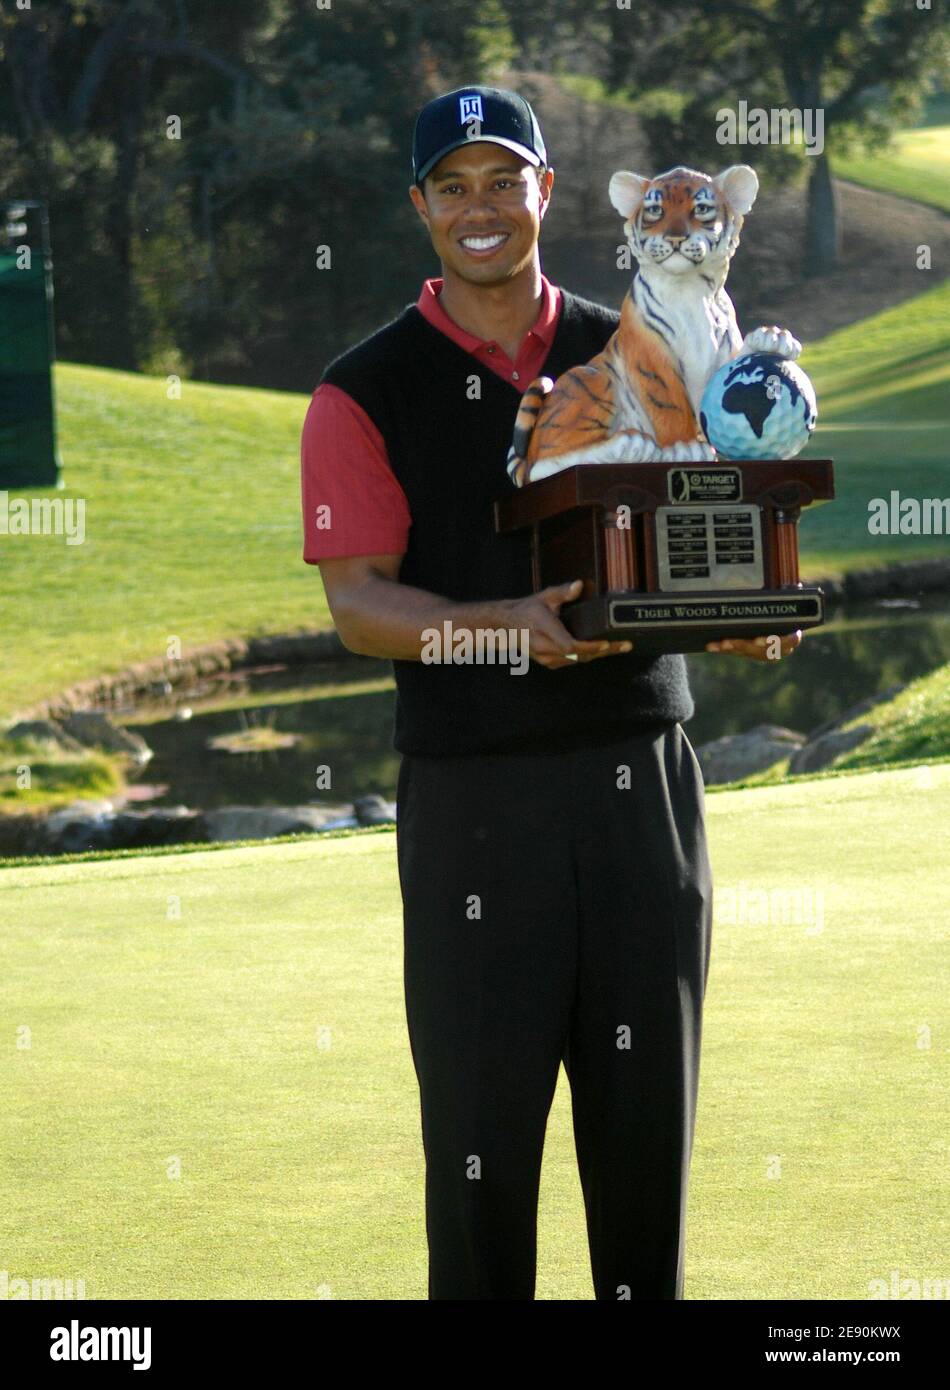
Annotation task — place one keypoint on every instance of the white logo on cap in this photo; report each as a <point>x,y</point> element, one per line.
<point>470,109</point>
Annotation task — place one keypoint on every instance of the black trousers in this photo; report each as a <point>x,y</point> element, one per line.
<point>557,906</point>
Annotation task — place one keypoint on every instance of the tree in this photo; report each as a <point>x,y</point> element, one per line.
<point>85,82</point>
<point>862,63</point>
<point>197,254</point>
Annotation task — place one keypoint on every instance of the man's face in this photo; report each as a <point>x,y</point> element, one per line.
<point>483,207</point>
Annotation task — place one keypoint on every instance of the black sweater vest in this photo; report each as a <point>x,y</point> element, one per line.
<point>449,454</point>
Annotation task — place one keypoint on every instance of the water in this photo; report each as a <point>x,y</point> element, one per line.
<point>341,712</point>
<point>862,651</point>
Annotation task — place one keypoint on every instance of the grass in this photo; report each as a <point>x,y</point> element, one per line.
<point>915,165</point>
<point>192,531</point>
<point>910,729</point>
<point>217,1097</point>
<point>914,724</point>
<point>36,773</point>
<point>192,516</point>
<point>882,387</point>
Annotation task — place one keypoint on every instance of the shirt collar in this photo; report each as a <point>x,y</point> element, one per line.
<point>430,306</point>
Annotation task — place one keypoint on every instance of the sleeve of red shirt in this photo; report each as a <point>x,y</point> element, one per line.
<point>351,499</point>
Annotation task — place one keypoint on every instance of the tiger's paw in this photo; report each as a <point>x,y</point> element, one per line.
<point>771,339</point>
<point>688,451</point>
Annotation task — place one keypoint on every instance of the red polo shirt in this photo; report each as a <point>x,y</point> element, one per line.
<point>343,463</point>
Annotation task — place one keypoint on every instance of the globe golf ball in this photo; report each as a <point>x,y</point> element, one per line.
<point>759,406</point>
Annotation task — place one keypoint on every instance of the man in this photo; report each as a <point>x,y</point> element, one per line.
<point>550,837</point>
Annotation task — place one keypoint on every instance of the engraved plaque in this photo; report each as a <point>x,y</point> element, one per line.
<point>709,547</point>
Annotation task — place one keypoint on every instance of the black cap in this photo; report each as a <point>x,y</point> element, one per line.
<point>474,113</point>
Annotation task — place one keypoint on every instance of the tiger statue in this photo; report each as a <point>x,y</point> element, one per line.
<point>638,400</point>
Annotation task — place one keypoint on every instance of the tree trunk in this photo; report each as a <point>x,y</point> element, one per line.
<point>118,221</point>
<point>822,231</point>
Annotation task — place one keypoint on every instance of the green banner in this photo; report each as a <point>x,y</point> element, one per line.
<point>27,426</point>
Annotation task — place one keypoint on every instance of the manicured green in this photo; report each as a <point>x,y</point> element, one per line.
<point>192,522</point>
<point>237,1016</point>
<point>915,165</point>
<point>883,388</point>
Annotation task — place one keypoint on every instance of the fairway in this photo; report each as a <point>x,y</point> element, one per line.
<point>882,389</point>
<point>217,1097</point>
<point>915,165</point>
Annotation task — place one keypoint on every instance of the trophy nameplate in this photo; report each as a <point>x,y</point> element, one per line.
<point>673,556</point>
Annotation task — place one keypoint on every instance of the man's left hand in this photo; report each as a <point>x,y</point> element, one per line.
<point>759,648</point>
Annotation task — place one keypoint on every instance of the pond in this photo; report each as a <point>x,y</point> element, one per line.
<point>339,714</point>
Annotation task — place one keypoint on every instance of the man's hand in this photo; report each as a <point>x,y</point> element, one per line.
<point>757,647</point>
<point>550,643</point>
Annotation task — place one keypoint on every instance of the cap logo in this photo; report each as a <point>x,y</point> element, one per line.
<point>470,108</point>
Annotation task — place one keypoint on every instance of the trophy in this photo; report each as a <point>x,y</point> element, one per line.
<point>674,556</point>
<point>663,473</point>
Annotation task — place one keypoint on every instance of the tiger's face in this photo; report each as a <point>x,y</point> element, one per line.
<point>684,220</point>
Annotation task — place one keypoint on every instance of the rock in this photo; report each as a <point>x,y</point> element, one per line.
<point>373,810</point>
<point>294,648</point>
<point>821,752</point>
<point>264,822</point>
<point>18,834</point>
<point>853,711</point>
<point>888,581</point>
<point>828,740</point>
<point>74,829</point>
<point>162,825</point>
<point>93,825</point>
<point>736,756</point>
<point>96,730</point>
<point>893,581</point>
<point>97,825</point>
<point>44,731</point>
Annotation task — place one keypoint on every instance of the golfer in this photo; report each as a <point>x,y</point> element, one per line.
<point>551,845</point>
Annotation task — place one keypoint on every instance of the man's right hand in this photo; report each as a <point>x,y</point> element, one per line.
<point>550,643</point>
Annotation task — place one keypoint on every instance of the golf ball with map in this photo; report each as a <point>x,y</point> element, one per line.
<point>759,406</point>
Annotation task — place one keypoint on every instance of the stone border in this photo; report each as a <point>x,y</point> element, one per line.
<point>229,654</point>
<point>302,648</point>
<point>892,581</point>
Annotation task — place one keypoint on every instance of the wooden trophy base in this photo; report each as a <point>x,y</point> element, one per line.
<point>673,556</point>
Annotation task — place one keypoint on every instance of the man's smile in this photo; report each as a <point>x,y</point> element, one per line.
<point>483,246</point>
